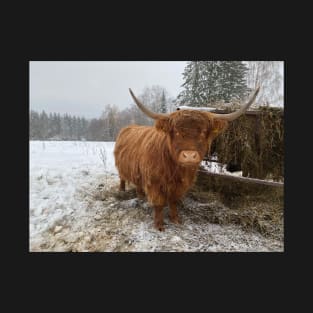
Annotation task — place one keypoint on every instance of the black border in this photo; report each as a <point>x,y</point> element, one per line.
<point>171,265</point>
<point>240,280</point>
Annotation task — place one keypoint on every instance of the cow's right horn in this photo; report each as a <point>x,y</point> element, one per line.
<point>232,116</point>
<point>149,113</point>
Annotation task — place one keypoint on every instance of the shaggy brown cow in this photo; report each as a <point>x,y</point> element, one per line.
<point>162,160</point>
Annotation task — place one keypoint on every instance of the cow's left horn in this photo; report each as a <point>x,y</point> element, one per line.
<point>232,116</point>
<point>149,113</point>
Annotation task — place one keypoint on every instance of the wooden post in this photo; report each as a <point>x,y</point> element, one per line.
<point>245,179</point>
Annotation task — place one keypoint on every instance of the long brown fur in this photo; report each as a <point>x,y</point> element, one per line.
<point>147,156</point>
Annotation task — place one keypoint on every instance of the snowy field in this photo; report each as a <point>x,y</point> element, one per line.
<point>72,209</point>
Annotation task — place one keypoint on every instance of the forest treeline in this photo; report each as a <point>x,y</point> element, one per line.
<point>53,126</point>
<point>205,83</point>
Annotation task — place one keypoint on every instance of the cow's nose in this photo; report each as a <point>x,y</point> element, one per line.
<point>189,156</point>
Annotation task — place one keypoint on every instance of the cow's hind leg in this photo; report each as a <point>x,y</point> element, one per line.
<point>122,184</point>
<point>158,202</point>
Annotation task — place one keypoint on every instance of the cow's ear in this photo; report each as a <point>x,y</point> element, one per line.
<point>163,124</point>
<point>218,126</point>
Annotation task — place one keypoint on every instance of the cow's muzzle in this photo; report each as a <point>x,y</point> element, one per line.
<point>189,157</point>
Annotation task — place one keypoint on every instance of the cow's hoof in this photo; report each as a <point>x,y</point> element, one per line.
<point>159,227</point>
<point>175,219</point>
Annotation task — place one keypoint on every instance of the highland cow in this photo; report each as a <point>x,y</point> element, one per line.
<point>162,160</point>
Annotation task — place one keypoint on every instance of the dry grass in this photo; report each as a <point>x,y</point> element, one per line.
<point>254,207</point>
<point>215,200</point>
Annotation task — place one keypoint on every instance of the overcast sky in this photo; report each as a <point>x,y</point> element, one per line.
<point>83,88</point>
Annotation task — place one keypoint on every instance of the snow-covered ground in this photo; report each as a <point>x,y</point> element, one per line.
<point>70,210</point>
<point>61,174</point>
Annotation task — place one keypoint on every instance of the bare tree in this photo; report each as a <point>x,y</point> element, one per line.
<point>152,97</point>
<point>171,104</point>
<point>109,117</point>
<point>269,75</point>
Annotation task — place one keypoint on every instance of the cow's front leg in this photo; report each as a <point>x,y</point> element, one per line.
<point>158,217</point>
<point>173,214</point>
<point>122,184</point>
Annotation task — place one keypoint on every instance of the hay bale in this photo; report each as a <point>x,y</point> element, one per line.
<point>256,143</point>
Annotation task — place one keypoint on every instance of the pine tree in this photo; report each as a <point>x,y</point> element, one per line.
<point>44,125</point>
<point>74,128</point>
<point>233,80</point>
<point>163,103</point>
<point>65,127</point>
<point>57,125</point>
<point>78,128</point>
<point>50,128</point>
<point>84,128</point>
<point>194,81</point>
<point>34,126</point>
<point>210,81</point>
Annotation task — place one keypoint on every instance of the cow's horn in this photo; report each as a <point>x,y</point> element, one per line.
<point>232,116</point>
<point>149,113</point>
